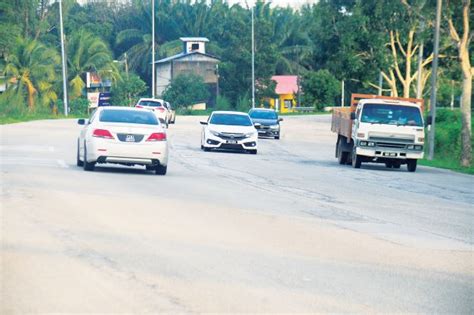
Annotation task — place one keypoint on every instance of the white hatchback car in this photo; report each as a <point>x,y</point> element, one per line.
<point>157,106</point>
<point>122,135</point>
<point>229,131</point>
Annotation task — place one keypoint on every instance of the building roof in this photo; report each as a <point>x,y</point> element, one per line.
<point>286,84</point>
<point>182,55</point>
<point>194,39</point>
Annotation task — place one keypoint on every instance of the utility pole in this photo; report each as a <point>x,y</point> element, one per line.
<point>253,58</point>
<point>433,81</point>
<point>380,84</point>
<point>153,48</point>
<point>342,93</point>
<point>63,57</point>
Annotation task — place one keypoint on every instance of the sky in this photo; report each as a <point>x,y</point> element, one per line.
<point>283,3</point>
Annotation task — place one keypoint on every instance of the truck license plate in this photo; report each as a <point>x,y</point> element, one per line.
<point>389,154</point>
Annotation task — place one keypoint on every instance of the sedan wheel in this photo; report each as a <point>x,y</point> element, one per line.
<point>161,169</point>
<point>88,166</point>
<point>78,160</point>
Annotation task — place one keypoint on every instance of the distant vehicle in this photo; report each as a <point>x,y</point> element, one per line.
<point>268,120</point>
<point>157,106</point>
<point>171,113</point>
<point>229,131</point>
<point>122,135</point>
<point>380,129</point>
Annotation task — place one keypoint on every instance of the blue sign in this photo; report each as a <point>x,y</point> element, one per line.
<point>104,99</point>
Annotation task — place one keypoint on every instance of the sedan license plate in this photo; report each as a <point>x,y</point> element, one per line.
<point>231,141</point>
<point>130,138</point>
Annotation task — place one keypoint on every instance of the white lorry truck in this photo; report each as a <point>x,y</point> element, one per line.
<point>380,129</point>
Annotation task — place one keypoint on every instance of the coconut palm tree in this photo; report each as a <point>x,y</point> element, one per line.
<point>87,52</point>
<point>31,67</point>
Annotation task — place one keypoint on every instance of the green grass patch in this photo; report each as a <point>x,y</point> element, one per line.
<point>447,142</point>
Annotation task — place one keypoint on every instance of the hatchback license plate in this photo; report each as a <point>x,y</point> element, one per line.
<point>130,138</point>
<point>232,142</point>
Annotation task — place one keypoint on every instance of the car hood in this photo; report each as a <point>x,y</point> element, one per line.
<point>231,129</point>
<point>265,122</point>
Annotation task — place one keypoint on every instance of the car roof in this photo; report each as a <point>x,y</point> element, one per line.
<point>151,99</point>
<point>121,108</point>
<point>229,112</point>
<point>262,109</point>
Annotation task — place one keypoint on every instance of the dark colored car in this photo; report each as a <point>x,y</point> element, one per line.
<point>268,120</point>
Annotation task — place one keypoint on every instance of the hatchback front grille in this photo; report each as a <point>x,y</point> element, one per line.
<point>232,136</point>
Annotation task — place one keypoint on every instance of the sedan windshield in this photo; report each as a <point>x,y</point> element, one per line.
<point>128,117</point>
<point>230,120</point>
<point>150,103</point>
<point>263,114</point>
<point>391,115</point>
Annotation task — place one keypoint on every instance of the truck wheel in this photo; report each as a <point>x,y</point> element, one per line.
<point>341,155</point>
<point>411,165</point>
<point>396,164</point>
<point>388,164</point>
<point>356,159</point>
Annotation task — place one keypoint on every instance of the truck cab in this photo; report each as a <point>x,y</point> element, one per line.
<point>380,130</point>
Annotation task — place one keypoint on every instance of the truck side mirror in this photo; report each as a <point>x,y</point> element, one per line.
<point>429,120</point>
<point>353,116</point>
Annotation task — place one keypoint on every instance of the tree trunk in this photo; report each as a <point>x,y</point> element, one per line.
<point>466,147</point>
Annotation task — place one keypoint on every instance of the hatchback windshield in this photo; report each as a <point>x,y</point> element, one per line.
<point>230,120</point>
<point>263,114</point>
<point>128,116</point>
<point>150,103</point>
<point>391,115</point>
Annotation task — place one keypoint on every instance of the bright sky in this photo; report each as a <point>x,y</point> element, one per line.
<point>283,3</point>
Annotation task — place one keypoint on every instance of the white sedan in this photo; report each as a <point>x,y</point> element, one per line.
<point>122,135</point>
<point>157,106</point>
<point>229,131</point>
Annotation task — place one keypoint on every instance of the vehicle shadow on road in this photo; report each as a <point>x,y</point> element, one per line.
<point>122,170</point>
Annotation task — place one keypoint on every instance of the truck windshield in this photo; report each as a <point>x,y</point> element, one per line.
<point>391,115</point>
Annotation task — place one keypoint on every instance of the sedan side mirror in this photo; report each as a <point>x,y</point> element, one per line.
<point>257,125</point>
<point>280,119</point>
<point>203,122</point>
<point>81,121</point>
<point>353,116</point>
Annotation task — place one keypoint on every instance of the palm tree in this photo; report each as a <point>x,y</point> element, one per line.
<point>31,66</point>
<point>87,52</point>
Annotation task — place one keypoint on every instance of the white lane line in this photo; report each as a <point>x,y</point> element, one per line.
<point>32,162</point>
<point>27,148</point>
<point>62,163</point>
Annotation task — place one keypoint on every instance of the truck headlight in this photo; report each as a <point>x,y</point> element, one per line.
<point>418,147</point>
<point>363,143</point>
<point>371,144</point>
<point>410,147</point>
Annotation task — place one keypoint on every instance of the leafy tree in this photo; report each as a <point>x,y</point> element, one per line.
<point>127,90</point>
<point>185,90</point>
<point>31,68</point>
<point>87,52</point>
<point>320,89</point>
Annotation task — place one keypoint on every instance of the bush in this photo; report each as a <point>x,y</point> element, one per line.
<point>126,92</point>
<point>185,90</point>
<point>320,89</point>
<point>223,103</point>
<point>448,134</point>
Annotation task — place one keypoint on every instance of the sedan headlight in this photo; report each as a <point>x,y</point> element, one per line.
<point>275,126</point>
<point>250,134</point>
<point>215,133</point>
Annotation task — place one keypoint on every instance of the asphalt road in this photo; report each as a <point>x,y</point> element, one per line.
<point>287,230</point>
